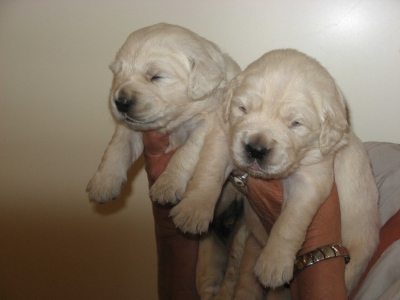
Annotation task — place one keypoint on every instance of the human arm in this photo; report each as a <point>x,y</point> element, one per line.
<point>177,252</point>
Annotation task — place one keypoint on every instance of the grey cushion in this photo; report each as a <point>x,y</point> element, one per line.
<point>385,161</point>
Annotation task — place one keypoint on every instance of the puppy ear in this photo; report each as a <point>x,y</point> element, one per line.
<point>206,75</point>
<point>116,66</point>
<point>333,122</point>
<point>228,95</point>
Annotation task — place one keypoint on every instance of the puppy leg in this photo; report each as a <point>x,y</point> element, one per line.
<point>125,147</point>
<point>303,195</point>
<point>248,287</point>
<point>359,208</point>
<point>235,252</point>
<point>211,264</point>
<point>195,212</point>
<point>172,183</point>
<point>214,248</point>
<point>360,235</point>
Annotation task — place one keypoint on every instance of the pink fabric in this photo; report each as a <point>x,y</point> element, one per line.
<point>390,233</point>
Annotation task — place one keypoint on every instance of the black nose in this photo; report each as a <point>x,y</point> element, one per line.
<point>123,104</point>
<point>256,151</point>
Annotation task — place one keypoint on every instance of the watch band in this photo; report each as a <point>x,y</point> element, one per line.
<point>320,254</point>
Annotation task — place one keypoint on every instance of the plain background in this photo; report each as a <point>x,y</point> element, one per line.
<point>55,124</point>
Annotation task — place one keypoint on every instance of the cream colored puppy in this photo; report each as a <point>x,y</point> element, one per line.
<point>288,121</point>
<point>170,80</point>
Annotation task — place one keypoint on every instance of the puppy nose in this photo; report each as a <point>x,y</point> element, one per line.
<point>256,151</point>
<point>123,104</point>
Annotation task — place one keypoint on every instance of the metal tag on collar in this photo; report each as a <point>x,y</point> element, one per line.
<point>239,181</point>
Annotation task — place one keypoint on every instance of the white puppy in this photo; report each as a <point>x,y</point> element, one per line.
<point>288,121</point>
<point>169,79</point>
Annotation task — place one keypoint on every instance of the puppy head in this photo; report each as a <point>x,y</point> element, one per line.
<point>160,72</point>
<point>284,111</point>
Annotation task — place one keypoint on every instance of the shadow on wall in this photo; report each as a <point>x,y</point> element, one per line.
<point>109,254</point>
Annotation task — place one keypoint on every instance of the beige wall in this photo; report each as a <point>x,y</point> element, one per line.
<point>55,125</point>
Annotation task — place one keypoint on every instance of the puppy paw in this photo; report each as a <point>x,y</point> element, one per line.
<point>168,188</point>
<point>103,188</point>
<point>274,268</point>
<point>191,216</point>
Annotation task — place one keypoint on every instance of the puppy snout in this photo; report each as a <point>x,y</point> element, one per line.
<point>256,151</point>
<point>126,98</point>
<point>123,104</point>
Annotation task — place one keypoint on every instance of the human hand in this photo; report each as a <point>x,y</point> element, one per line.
<point>324,280</point>
<point>265,197</point>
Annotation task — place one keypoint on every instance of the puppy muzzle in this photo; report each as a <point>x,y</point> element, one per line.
<point>124,103</point>
<point>256,151</point>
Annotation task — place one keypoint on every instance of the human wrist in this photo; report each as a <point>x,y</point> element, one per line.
<point>319,255</point>
<point>324,280</point>
<point>177,257</point>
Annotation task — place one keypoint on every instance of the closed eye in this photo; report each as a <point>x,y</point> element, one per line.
<point>297,123</point>
<point>242,108</point>
<point>156,77</point>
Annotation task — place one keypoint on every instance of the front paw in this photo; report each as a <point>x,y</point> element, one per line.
<point>274,268</point>
<point>168,188</point>
<point>192,216</point>
<point>103,188</point>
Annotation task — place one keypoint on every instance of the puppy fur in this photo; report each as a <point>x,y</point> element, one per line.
<point>170,80</point>
<point>288,121</point>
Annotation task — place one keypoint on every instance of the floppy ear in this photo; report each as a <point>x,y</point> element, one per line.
<point>333,122</point>
<point>206,75</point>
<point>229,90</point>
<point>116,66</point>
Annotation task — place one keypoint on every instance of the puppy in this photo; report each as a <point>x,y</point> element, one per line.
<point>288,121</point>
<point>170,80</point>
